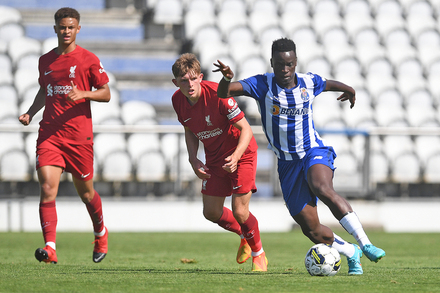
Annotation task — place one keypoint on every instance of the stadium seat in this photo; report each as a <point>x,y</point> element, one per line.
<point>326,109</point>
<point>140,143</point>
<point>340,142</point>
<point>252,66</point>
<point>11,141</point>
<point>11,31</point>
<point>326,6</point>
<point>405,169</point>
<point>294,15</point>
<point>347,173</point>
<point>206,34</point>
<point>396,145</point>
<point>117,166</point>
<point>22,46</point>
<point>9,15</point>
<point>25,78</point>
<point>354,23</point>
<point>14,166</point>
<point>426,146</point>
<point>205,6</point>
<point>134,111</point>
<point>359,113</point>
<point>323,21</point>
<point>168,12</point>
<point>106,143</point>
<point>6,77</point>
<point>228,20</point>
<point>379,167</point>
<point>228,6</point>
<point>260,20</point>
<point>29,61</point>
<point>151,167</point>
<point>432,169</point>
<point>210,52</point>
<point>194,20</point>
<point>49,44</point>
<point>30,146</point>
<point>319,66</point>
<point>242,50</point>
<point>8,105</point>
<point>103,111</point>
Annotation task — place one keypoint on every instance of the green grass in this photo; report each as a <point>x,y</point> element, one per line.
<point>151,262</point>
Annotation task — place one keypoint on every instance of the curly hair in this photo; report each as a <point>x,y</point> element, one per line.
<point>66,12</point>
<point>283,45</point>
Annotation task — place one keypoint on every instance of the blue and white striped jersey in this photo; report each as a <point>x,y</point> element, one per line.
<point>286,114</point>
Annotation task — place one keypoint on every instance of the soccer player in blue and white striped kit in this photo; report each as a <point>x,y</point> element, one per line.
<point>305,162</point>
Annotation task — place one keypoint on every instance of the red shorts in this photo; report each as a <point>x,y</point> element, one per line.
<point>224,184</point>
<point>76,159</point>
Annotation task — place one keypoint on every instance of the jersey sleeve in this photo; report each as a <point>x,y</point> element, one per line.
<point>97,73</point>
<point>255,86</point>
<point>319,83</point>
<point>229,108</point>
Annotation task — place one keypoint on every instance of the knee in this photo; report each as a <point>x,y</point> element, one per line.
<point>48,191</point>
<point>212,214</point>
<point>241,215</point>
<point>87,197</point>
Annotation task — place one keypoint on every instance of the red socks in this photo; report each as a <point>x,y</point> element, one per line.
<point>249,229</point>
<point>228,222</point>
<point>94,207</point>
<point>251,233</point>
<point>48,220</point>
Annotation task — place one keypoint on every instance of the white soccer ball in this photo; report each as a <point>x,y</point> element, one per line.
<point>322,260</point>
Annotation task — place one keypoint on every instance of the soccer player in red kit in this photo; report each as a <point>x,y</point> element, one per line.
<point>231,155</point>
<point>65,138</point>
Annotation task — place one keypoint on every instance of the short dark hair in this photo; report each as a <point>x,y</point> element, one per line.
<point>283,45</point>
<point>66,12</point>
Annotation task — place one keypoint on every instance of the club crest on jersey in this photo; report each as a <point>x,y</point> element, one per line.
<point>208,120</point>
<point>304,94</point>
<point>72,72</point>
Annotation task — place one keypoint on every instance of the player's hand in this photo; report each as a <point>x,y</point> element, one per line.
<point>75,94</point>
<point>348,96</point>
<point>231,164</point>
<point>25,119</point>
<point>200,170</point>
<point>224,69</point>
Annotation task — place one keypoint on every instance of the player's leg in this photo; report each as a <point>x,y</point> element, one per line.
<point>93,203</point>
<point>320,178</point>
<point>318,233</point>
<point>214,211</point>
<point>49,179</point>
<point>251,232</point>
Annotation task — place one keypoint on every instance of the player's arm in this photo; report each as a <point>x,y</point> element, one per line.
<point>348,93</point>
<point>192,145</point>
<point>226,88</point>
<point>37,105</point>
<point>101,94</point>
<point>243,142</point>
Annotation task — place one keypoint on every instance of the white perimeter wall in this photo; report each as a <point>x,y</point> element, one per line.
<point>129,215</point>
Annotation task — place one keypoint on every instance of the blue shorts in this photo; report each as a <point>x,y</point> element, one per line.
<point>293,177</point>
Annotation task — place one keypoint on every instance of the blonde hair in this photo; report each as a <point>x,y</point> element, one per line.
<point>187,62</point>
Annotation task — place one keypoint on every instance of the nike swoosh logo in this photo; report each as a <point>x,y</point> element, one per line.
<point>46,73</point>
<point>186,120</point>
<point>237,187</point>
<point>85,176</point>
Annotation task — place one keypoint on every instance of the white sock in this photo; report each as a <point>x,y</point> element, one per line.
<point>342,246</point>
<point>352,225</point>
<point>51,244</point>
<point>100,234</point>
<point>255,254</point>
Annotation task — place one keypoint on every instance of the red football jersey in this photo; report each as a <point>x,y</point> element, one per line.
<point>211,119</point>
<point>69,121</point>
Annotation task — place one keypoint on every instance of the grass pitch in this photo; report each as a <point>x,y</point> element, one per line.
<point>205,262</point>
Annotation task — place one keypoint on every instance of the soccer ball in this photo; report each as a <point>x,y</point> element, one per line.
<point>322,260</point>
